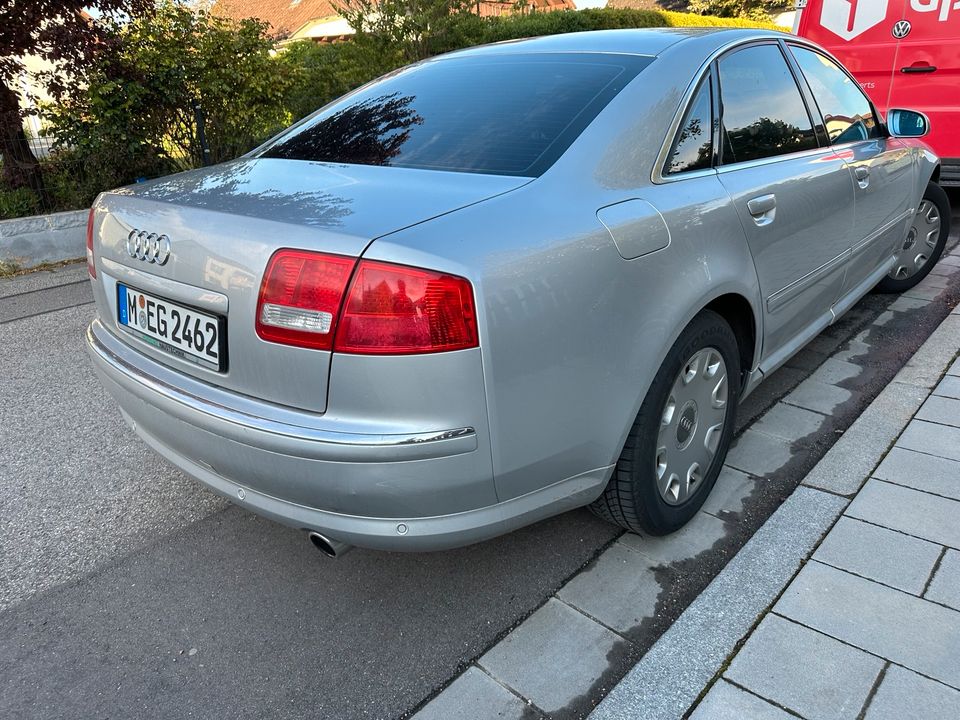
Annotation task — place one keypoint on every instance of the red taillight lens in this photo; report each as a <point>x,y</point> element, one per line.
<point>394,309</point>
<point>387,310</point>
<point>91,267</point>
<point>300,298</point>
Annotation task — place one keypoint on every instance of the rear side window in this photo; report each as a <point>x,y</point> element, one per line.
<point>693,147</point>
<point>763,113</point>
<point>497,114</point>
<point>846,111</point>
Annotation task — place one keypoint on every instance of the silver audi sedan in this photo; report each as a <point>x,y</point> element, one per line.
<point>507,282</point>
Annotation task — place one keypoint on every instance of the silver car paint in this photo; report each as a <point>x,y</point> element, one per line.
<point>575,316</point>
<point>226,221</point>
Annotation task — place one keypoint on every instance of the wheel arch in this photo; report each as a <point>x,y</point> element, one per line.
<point>739,314</point>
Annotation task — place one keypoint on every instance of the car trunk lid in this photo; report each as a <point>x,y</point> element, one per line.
<point>224,223</point>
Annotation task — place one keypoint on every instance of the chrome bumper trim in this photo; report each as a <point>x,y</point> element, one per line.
<point>266,434</point>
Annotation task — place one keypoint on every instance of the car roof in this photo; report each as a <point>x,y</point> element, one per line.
<point>634,41</point>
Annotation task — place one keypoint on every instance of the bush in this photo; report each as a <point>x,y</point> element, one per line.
<point>322,73</point>
<point>552,23</point>
<point>319,73</point>
<point>18,203</point>
<point>141,107</point>
<point>752,9</point>
<point>133,115</point>
<point>678,19</point>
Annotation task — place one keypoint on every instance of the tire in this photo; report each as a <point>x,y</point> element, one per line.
<point>924,243</point>
<point>640,496</point>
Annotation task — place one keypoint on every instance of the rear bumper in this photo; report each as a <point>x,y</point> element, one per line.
<point>366,489</point>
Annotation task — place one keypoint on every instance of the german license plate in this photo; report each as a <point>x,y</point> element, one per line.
<point>182,331</point>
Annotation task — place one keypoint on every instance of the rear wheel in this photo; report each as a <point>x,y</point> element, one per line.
<point>678,442</point>
<point>923,244</point>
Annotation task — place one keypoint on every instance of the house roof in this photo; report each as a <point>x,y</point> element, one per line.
<point>287,16</point>
<point>284,16</point>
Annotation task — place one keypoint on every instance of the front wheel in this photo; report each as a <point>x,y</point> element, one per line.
<point>678,442</point>
<point>923,244</point>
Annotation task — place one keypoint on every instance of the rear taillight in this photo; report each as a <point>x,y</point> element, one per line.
<point>91,267</point>
<point>397,310</point>
<point>300,298</point>
<point>387,309</point>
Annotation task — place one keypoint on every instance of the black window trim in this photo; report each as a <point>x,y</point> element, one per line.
<point>715,121</point>
<point>709,78</point>
<point>813,107</point>
<point>659,177</point>
<point>813,99</point>
<point>773,158</point>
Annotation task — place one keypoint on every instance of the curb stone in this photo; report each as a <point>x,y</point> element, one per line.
<point>31,241</point>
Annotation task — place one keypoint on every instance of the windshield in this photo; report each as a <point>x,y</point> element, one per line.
<point>497,114</point>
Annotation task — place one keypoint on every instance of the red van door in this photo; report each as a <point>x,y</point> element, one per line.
<point>859,33</point>
<point>904,53</point>
<point>926,75</point>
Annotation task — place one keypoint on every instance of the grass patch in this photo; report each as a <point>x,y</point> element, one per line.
<point>11,268</point>
<point>8,268</point>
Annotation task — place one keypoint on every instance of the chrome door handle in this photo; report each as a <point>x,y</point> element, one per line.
<point>762,204</point>
<point>763,209</point>
<point>862,174</point>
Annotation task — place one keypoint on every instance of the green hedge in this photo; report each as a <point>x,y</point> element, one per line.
<point>553,23</point>
<point>678,19</point>
<point>133,111</point>
<point>324,72</point>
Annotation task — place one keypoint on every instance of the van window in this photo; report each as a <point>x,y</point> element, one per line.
<point>693,147</point>
<point>846,110</point>
<point>764,114</point>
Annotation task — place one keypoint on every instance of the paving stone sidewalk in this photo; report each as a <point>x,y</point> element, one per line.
<point>870,627</point>
<point>867,624</point>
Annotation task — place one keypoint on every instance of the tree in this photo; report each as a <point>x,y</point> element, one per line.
<point>753,9</point>
<point>404,31</point>
<point>60,32</point>
<point>321,72</point>
<point>162,78</point>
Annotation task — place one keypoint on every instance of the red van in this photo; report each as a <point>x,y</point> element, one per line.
<point>905,54</point>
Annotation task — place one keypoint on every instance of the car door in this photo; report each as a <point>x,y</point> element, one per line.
<point>794,198</point>
<point>882,167</point>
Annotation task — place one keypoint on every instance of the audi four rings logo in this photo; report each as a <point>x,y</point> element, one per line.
<point>148,246</point>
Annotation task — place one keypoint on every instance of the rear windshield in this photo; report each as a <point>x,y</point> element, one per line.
<point>500,115</point>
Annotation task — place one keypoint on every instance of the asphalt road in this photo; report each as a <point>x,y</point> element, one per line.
<point>127,590</point>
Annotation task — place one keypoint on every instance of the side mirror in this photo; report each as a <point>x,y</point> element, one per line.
<point>907,123</point>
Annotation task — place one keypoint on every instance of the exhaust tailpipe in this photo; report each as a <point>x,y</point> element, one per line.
<point>330,548</point>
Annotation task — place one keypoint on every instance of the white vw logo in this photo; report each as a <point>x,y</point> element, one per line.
<point>849,18</point>
<point>901,29</point>
<point>151,247</point>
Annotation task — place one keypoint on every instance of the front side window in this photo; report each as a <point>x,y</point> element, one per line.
<point>763,113</point>
<point>693,147</point>
<point>499,114</point>
<point>845,109</point>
